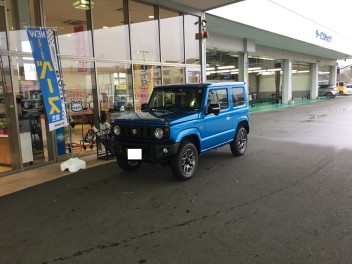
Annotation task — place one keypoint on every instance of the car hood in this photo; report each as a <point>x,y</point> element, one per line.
<point>153,118</point>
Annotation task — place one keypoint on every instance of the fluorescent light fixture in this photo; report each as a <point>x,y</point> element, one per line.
<point>294,71</point>
<point>259,71</point>
<point>266,73</point>
<point>254,68</point>
<point>275,69</point>
<point>324,73</point>
<point>302,71</point>
<point>261,58</point>
<point>223,71</point>
<point>210,69</point>
<point>151,17</point>
<point>105,27</point>
<point>226,67</point>
<point>83,4</point>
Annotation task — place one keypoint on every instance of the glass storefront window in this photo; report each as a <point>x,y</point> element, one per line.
<point>5,136</point>
<point>74,32</point>
<point>115,89</point>
<point>3,36</point>
<point>192,45</point>
<point>30,110</point>
<point>111,34</point>
<point>78,78</point>
<point>144,33</point>
<point>172,75</point>
<point>145,78</point>
<point>193,75</point>
<point>171,36</point>
<point>21,14</point>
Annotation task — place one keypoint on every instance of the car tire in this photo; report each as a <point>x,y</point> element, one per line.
<point>341,93</point>
<point>185,163</point>
<point>329,95</point>
<point>128,165</point>
<point>239,145</point>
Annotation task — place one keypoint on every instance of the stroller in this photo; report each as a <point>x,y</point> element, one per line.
<point>89,139</point>
<point>104,136</point>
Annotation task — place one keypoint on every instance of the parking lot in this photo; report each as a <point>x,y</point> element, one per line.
<point>287,200</point>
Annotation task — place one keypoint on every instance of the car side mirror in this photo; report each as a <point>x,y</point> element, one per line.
<point>144,107</point>
<point>214,108</point>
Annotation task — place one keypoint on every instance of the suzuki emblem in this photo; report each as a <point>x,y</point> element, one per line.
<point>134,131</point>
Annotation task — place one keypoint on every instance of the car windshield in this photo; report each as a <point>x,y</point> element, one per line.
<point>176,99</point>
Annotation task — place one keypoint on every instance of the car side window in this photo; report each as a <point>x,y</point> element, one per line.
<point>237,96</point>
<point>218,96</point>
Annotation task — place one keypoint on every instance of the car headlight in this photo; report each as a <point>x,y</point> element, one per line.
<point>158,133</point>
<point>117,130</point>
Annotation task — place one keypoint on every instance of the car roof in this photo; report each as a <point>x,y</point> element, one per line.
<point>198,85</point>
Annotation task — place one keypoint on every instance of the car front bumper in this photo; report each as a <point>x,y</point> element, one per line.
<point>154,153</point>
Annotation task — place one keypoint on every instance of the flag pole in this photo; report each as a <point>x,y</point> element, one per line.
<point>62,84</point>
<point>73,164</point>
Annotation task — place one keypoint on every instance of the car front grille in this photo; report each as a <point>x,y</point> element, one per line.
<point>136,132</point>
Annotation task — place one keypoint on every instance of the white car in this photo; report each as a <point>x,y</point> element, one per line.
<point>348,88</point>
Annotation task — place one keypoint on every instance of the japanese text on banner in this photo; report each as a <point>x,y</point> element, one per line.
<point>44,54</point>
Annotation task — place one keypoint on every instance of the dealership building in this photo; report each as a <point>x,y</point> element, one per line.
<point>112,53</point>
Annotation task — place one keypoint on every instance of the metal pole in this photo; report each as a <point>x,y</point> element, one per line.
<point>63,88</point>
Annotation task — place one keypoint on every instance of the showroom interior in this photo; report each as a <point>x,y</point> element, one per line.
<point>113,52</point>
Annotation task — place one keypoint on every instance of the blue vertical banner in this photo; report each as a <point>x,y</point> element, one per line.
<point>43,46</point>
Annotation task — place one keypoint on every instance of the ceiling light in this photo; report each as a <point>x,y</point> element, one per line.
<point>259,71</point>
<point>83,4</point>
<point>223,71</point>
<point>226,67</point>
<point>151,17</point>
<point>266,73</point>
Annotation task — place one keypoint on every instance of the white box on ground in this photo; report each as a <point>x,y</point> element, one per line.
<point>134,154</point>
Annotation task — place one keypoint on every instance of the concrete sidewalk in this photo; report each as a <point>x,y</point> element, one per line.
<point>22,180</point>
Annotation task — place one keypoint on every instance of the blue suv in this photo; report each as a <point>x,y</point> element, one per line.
<point>181,122</point>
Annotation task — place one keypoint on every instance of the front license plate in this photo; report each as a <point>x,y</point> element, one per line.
<point>134,154</point>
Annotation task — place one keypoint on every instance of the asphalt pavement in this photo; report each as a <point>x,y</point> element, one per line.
<point>287,200</point>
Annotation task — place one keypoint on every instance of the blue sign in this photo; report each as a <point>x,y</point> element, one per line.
<point>323,36</point>
<point>44,54</point>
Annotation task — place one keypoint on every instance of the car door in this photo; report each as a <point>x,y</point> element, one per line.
<point>239,104</point>
<point>217,129</point>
